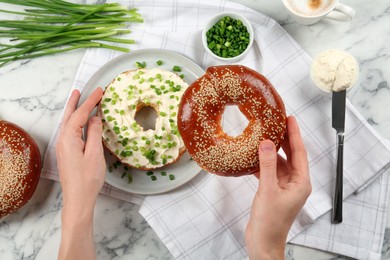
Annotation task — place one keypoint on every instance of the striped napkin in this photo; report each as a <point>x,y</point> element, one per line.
<point>206,218</point>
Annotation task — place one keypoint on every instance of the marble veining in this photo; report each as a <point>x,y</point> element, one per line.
<point>33,94</point>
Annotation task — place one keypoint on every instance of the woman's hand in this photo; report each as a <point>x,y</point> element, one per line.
<point>283,189</point>
<point>82,169</point>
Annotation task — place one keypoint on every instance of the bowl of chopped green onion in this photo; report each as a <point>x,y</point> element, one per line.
<point>227,36</point>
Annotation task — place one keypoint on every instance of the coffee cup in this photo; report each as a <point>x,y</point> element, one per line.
<point>311,11</point>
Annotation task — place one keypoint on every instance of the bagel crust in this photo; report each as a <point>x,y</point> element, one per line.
<point>124,137</point>
<point>20,167</point>
<point>200,115</point>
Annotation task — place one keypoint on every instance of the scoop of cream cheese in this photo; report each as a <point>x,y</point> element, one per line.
<point>334,70</point>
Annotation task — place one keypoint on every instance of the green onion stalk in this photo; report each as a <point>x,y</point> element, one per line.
<point>53,26</point>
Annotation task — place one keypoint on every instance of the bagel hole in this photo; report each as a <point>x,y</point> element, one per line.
<point>146,117</point>
<point>234,121</point>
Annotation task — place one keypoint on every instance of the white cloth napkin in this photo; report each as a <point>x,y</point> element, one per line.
<point>206,218</point>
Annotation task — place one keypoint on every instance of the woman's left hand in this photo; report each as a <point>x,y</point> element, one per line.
<point>82,168</point>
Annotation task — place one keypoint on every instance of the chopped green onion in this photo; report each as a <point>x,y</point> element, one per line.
<point>159,62</point>
<point>140,65</point>
<point>117,164</point>
<point>175,88</point>
<point>129,178</point>
<point>149,154</point>
<point>116,129</point>
<point>176,68</point>
<point>126,153</point>
<point>125,141</point>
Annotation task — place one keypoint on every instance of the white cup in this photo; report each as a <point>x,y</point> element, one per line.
<point>311,11</point>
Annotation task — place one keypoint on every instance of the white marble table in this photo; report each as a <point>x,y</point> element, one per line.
<point>33,94</point>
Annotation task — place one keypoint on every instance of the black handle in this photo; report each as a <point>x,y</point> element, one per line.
<point>337,214</point>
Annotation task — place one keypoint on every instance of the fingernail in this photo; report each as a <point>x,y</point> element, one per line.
<point>266,146</point>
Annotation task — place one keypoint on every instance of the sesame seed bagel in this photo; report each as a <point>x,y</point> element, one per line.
<point>201,110</point>
<point>20,167</point>
<point>125,138</point>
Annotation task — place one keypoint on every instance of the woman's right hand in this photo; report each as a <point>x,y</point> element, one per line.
<point>284,186</point>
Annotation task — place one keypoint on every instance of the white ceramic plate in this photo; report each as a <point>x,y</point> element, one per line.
<point>142,181</point>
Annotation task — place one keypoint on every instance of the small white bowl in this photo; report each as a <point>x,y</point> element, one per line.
<point>213,21</point>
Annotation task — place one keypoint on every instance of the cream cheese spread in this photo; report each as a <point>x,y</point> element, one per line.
<point>123,97</point>
<point>334,70</point>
